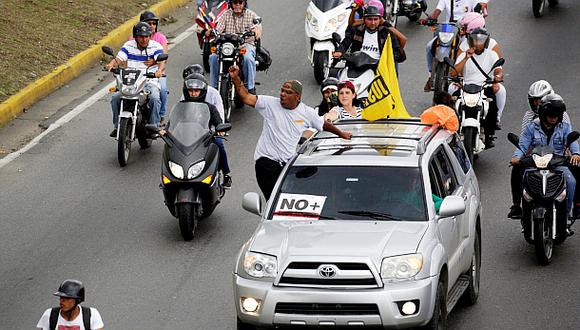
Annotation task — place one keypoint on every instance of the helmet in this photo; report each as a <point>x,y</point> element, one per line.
<point>230,5</point>
<point>378,4</point>
<point>141,29</point>
<point>551,105</point>
<point>477,36</point>
<point>329,82</point>
<point>195,81</point>
<point>538,90</point>
<point>372,11</point>
<point>147,16</point>
<point>193,68</point>
<point>472,21</point>
<point>71,289</point>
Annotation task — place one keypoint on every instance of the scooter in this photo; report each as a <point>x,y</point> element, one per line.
<point>323,18</point>
<point>208,16</point>
<point>190,178</point>
<point>539,5</point>
<point>545,218</point>
<point>134,111</point>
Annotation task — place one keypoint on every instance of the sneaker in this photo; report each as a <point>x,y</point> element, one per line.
<point>162,121</point>
<point>113,133</point>
<point>227,182</point>
<point>252,91</point>
<point>515,212</point>
<point>489,142</point>
<point>498,126</point>
<point>576,211</point>
<point>428,86</point>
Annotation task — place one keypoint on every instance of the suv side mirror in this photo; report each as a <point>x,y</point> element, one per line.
<point>452,206</point>
<point>252,203</point>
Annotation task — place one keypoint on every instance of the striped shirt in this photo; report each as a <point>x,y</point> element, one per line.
<point>343,114</point>
<point>136,57</point>
<point>230,23</point>
<point>529,116</point>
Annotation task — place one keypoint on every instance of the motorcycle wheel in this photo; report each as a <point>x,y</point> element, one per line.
<point>225,95</point>
<point>538,7</point>
<point>440,71</point>
<point>187,220</point>
<point>543,243</point>
<point>205,54</point>
<point>390,14</point>
<point>124,142</point>
<point>321,66</point>
<point>472,293</point>
<point>469,139</point>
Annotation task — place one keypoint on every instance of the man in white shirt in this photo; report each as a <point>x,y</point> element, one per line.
<point>285,119</point>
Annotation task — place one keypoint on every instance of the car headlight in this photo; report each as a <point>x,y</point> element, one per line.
<point>471,100</point>
<point>176,170</point>
<point>446,37</point>
<point>195,169</point>
<point>228,49</point>
<point>260,265</point>
<point>401,267</point>
<point>542,161</point>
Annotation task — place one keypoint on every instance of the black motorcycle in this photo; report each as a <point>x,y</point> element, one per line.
<point>412,10</point>
<point>190,176</point>
<point>545,217</point>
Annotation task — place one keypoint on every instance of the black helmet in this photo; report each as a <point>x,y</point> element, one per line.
<point>372,11</point>
<point>329,82</point>
<point>551,105</point>
<point>230,4</point>
<point>478,35</point>
<point>195,81</point>
<point>141,29</point>
<point>71,289</point>
<point>147,16</point>
<point>193,68</point>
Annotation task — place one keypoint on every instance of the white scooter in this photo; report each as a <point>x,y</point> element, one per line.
<point>323,18</point>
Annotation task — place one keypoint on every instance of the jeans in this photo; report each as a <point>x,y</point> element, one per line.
<point>154,104</point>
<point>429,54</point>
<point>223,165</point>
<point>248,67</point>
<point>163,95</point>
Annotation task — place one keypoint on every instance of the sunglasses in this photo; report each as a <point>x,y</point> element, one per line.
<point>152,23</point>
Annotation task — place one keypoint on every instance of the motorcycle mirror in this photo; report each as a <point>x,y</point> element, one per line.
<point>223,127</point>
<point>257,20</point>
<point>108,50</point>
<point>162,57</point>
<point>573,136</point>
<point>336,37</point>
<point>514,139</point>
<point>498,63</point>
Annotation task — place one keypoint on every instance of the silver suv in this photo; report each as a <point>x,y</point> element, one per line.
<point>379,231</point>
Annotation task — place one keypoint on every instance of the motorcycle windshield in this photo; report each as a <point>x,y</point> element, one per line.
<point>130,76</point>
<point>212,4</point>
<point>360,60</point>
<point>472,88</point>
<point>326,5</point>
<point>189,122</point>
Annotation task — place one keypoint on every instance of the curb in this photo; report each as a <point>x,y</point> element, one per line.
<point>64,73</point>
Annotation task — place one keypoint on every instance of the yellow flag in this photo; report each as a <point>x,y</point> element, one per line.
<point>384,98</point>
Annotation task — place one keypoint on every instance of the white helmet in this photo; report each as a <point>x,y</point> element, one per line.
<point>538,90</point>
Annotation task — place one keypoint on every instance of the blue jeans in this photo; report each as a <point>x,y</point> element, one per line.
<point>430,54</point>
<point>154,104</point>
<point>163,94</point>
<point>248,67</point>
<point>223,165</point>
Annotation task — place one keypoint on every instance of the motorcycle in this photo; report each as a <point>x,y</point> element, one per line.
<point>323,18</point>
<point>208,16</point>
<point>134,111</point>
<point>229,50</point>
<point>539,5</point>
<point>409,8</point>
<point>472,107</point>
<point>446,45</point>
<point>190,178</point>
<point>545,218</point>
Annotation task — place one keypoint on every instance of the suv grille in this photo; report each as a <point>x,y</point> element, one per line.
<point>342,274</point>
<point>326,309</point>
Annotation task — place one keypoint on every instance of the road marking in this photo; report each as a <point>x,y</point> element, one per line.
<point>80,108</point>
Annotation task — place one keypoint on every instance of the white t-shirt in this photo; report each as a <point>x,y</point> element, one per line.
<point>460,7</point>
<point>76,324</point>
<point>282,128</point>
<point>136,57</point>
<point>370,44</point>
<point>464,45</point>
<point>471,73</point>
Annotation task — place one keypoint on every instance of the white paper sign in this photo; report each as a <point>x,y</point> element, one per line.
<point>299,207</point>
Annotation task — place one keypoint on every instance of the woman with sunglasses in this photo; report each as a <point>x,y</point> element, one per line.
<point>346,108</point>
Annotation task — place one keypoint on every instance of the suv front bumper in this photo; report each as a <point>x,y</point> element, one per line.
<point>387,299</point>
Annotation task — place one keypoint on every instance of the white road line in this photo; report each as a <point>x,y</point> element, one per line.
<point>80,108</point>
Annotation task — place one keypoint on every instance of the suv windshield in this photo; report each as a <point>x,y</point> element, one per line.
<point>351,193</point>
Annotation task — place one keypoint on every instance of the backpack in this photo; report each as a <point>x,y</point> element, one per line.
<point>56,310</point>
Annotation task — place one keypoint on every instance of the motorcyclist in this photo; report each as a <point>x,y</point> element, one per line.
<point>213,95</point>
<point>465,65</point>
<point>470,22</point>
<point>550,130</point>
<point>238,19</point>
<point>140,53</point>
<point>329,91</point>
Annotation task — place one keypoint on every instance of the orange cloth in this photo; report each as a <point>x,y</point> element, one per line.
<point>442,115</point>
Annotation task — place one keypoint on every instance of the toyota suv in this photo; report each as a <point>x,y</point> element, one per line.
<point>382,230</point>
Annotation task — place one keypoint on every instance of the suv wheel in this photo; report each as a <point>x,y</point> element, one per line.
<point>439,318</point>
<point>472,293</point>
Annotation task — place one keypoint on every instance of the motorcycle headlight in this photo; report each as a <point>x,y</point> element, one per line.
<point>176,170</point>
<point>260,265</point>
<point>228,49</point>
<point>195,169</point>
<point>446,37</point>
<point>471,100</point>
<point>542,161</point>
<point>331,25</point>
<point>341,18</point>
<point>401,267</point>
<point>128,90</point>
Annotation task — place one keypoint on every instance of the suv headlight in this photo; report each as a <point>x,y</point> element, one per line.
<point>401,267</point>
<point>176,170</point>
<point>195,169</point>
<point>260,265</point>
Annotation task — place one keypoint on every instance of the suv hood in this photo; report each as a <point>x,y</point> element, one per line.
<point>337,238</point>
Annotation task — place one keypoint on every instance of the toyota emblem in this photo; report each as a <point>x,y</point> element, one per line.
<point>327,271</point>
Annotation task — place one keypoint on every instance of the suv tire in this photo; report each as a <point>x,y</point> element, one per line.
<point>439,318</point>
<point>472,293</point>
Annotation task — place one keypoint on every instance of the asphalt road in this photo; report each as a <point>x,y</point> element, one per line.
<point>68,211</point>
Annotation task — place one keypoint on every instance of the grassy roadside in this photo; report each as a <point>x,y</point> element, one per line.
<point>36,36</point>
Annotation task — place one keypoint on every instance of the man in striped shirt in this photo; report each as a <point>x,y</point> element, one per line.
<point>140,54</point>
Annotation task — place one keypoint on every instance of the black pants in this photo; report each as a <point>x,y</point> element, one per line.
<point>267,172</point>
<point>491,118</point>
<point>517,179</point>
